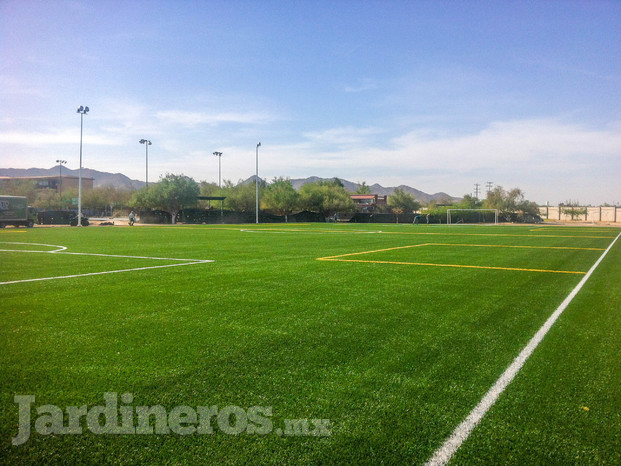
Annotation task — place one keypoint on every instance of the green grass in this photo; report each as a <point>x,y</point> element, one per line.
<point>394,355</point>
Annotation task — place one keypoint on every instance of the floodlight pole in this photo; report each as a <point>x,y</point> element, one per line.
<point>82,111</point>
<point>146,148</point>
<point>60,175</point>
<point>219,155</point>
<point>256,182</point>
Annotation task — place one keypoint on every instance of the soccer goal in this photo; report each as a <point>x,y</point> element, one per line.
<point>472,216</point>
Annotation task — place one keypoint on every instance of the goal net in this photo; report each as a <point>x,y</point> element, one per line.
<point>472,216</point>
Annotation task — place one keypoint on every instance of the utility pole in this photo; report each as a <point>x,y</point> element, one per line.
<point>476,191</point>
<point>489,186</point>
<point>82,111</point>
<point>256,182</point>
<point>146,143</point>
<point>219,155</point>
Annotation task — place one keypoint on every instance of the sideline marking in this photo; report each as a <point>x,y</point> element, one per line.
<point>288,230</point>
<point>62,250</point>
<point>444,454</point>
<point>591,228</point>
<point>320,231</point>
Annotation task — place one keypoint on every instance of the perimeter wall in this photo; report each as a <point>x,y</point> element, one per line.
<point>593,214</point>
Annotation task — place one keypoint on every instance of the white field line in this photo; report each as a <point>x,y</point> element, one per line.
<point>314,232</point>
<point>58,248</point>
<point>444,454</point>
<point>61,250</point>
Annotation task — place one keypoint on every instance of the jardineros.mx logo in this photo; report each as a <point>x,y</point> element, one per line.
<point>114,418</point>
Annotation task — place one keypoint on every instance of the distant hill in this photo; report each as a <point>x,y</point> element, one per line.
<point>375,189</point>
<point>118,180</point>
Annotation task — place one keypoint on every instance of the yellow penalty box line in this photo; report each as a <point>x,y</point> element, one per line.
<point>340,257</point>
<point>453,265</point>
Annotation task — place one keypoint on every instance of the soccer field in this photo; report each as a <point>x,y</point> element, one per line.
<point>309,343</point>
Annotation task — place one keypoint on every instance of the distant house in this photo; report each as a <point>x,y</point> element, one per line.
<point>368,202</point>
<point>50,182</point>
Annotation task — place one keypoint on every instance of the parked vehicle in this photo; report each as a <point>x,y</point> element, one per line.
<point>14,210</point>
<point>60,217</point>
<point>74,221</point>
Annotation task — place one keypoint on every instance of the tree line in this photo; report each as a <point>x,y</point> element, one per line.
<point>175,192</point>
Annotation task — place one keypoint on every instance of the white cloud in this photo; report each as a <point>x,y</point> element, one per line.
<point>50,138</point>
<point>548,158</point>
<point>539,143</point>
<point>12,87</point>
<point>364,85</point>
<point>340,138</point>
<point>191,119</point>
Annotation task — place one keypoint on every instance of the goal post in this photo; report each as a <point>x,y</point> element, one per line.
<point>471,216</point>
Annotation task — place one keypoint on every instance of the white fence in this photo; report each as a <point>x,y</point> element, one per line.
<point>593,214</point>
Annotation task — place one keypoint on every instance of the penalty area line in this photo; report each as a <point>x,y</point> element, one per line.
<point>450,446</point>
<point>104,272</point>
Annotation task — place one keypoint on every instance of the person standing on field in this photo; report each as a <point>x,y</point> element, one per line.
<point>132,218</point>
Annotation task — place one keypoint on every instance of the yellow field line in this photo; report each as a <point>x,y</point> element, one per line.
<point>515,246</point>
<point>377,250</point>
<point>338,258</point>
<point>460,245</point>
<point>452,265</point>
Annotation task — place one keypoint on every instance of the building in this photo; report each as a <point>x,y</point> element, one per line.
<point>368,202</point>
<point>50,182</point>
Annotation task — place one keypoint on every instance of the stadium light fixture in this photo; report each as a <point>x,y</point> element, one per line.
<point>60,175</point>
<point>146,143</point>
<point>256,182</point>
<point>82,111</point>
<point>219,155</point>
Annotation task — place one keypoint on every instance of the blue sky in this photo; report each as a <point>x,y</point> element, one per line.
<point>438,95</point>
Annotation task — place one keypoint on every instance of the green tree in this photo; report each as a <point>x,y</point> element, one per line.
<point>401,201</point>
<point>363,188</point>
<point>242,196</point>
<point>210,190</point>
<point>326,197</point>
<point>16,187</point>
<point>573,209</point>
<point>171,194</point>
<point>68,195</point>
<point>281,197</point>
<point>509,202</point>
<point>46,199</point>
<point>106,199</point>
<point>469,202</point>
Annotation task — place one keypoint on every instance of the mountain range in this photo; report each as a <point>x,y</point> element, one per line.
<point>381,190</point>
<point>118,180</point>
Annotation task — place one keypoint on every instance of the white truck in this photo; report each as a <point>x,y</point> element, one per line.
<point>14,210</point>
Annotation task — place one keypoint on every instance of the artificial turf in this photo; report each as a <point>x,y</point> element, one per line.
<point>392,353</point>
